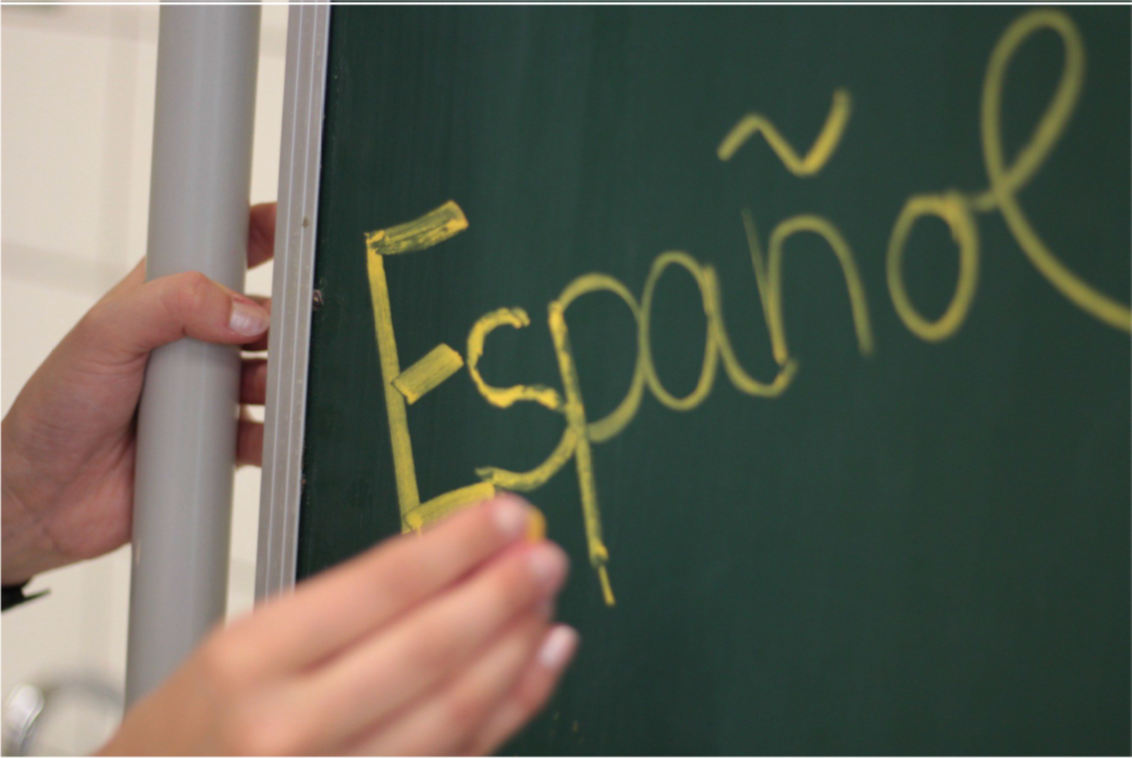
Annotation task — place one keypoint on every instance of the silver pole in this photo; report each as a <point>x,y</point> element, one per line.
<point>186,447</point>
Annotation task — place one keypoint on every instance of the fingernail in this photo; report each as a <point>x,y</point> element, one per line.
<point>511,516</point>
<point>248,318</point>
<point>548,564</point>
<point>558,647</point>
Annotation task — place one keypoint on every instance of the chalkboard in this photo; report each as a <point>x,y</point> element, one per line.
<point>806,327</point>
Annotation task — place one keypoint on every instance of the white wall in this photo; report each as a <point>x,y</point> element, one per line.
<point>76,115</point>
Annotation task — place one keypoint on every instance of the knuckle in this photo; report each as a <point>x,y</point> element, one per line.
<point>192,293</point>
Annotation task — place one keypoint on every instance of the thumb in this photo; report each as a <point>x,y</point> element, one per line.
<point>166,309</point>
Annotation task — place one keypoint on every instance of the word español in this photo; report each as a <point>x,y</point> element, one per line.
<point>959,210</point>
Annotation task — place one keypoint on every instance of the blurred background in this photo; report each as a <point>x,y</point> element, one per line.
<point>76,128</point>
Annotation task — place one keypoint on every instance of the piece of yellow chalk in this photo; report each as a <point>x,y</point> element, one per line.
<point>536,525</point>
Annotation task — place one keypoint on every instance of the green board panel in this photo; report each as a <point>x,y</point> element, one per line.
<point>920,544</point>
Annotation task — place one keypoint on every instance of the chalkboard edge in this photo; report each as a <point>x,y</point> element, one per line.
<point>300,163</point>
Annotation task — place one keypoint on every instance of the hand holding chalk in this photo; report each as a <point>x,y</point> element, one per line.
<point>437,643</point>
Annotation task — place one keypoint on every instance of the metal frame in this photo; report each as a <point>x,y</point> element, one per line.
<point>292,289</point>
<point>203,125</point>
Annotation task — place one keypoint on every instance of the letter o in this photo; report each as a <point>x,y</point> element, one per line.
<point>952,208</point>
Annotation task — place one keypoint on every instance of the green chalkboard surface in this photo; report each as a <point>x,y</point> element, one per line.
<point>807,328</point>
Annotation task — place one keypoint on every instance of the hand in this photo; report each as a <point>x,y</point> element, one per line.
<point>437,643</point>
<point>68,442</point>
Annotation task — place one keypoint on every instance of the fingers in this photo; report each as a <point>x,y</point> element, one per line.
<point>346,604</point>
<point>253,381</point>
<point>253,391</point>
<point>186,293</point>
<point>259,344</point>
<point>128,327</point>
<point>414,654</point>
<point>448,719</point>
<point>530,694</point>
<point>261,247</point>
<point>261,234</point>
<point>249,443</point>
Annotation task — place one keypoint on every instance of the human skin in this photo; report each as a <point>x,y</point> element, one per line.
<point>68,441</point>
<point>440,642</point>
<point>433,644</point>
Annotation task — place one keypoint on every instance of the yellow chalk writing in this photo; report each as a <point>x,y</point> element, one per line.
<point>505,397</point>
<point>583,454</point>
<point>431,229</point>
<point>428,373</point>
<point>711,350</point>
<point>952,208</point>
<point>817,156</point>
<point>744,382</point>
<point>579,432</point>
<point>527,481</point>
<point>789,367</point>
<point>840,248</point>
<point>617,419</point>
<point>1005,183</point>
<point>404,473</point>
<point>958,210</point>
